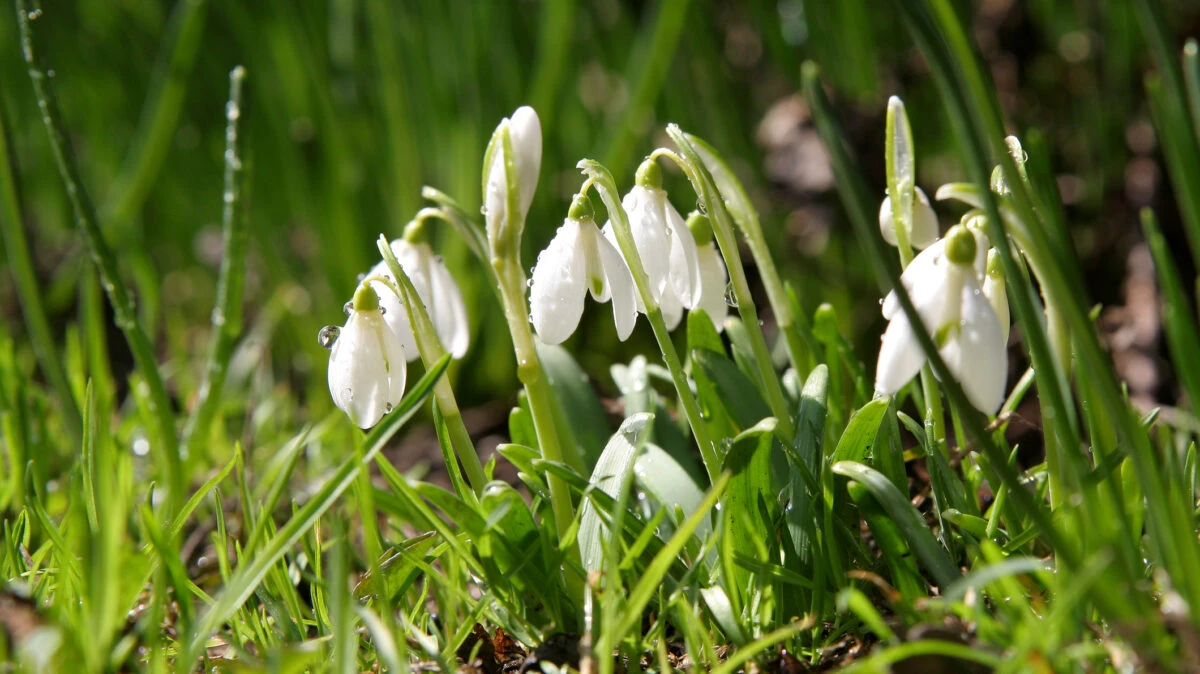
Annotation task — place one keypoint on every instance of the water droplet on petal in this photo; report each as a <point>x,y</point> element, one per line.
<point>361,277</point>
<point>328,335</point>
<point>382,310</point>
<point>730,296</point>
<point>348,307</point>
<point>387,408</point>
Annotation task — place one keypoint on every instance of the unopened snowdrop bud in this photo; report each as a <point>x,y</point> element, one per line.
<point>367,366</point>
<point>924,225</point>
<point>993,288</point>
<point>579,260</point>
<point>516,144</point>
<point>946,293</point>
<point>434,285</point>
<point>713,276</point>
<point>657,229</point>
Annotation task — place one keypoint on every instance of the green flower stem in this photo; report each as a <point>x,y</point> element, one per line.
<point>902,191</point>
<point>722,223</point>
<point>16,248</point>
<point>537,389</point>
<point>432,351</point>
<point>106,263</point>
<point>799,349</point>
<point>227,315</point>
<point>602,181</point>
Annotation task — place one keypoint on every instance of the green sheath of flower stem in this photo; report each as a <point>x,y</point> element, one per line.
<point>102,255</point>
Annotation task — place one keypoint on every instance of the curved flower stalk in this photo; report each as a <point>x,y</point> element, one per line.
<point>714,279</point>
<point>516,148</point>
<point>579,260</point>
<point>435,286</point>
<point>367,367</point>
<point>945,289</point>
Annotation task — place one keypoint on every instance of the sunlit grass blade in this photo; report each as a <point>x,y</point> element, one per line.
<point>227,314</point>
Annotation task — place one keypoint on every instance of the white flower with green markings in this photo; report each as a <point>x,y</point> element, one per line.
<point>944,284</point>
<point>367,367</point>
<point>664,244</point>
<point>437,290</point>
<point>579,260</point>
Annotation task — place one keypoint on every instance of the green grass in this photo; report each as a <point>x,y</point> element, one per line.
<point>189,191</point>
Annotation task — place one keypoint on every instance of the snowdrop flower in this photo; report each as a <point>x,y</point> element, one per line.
<point>525,139</point>
<point>437,290</point>
<point>946,292</point>
<point>713,276</point>
<point>924,222</point>
<point>664,243</point>
<point>578,260</point>
<point>367,365</point>
<point>925,262</point>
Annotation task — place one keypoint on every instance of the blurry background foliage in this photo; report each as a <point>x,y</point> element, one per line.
<point>353,105</point>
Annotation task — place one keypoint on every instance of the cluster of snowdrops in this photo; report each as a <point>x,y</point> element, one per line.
<point>647,258</point>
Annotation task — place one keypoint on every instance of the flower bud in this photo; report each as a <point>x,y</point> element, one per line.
<point>516,144</point>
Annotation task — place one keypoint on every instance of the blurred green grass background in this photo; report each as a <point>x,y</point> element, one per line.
<point>353,105</point>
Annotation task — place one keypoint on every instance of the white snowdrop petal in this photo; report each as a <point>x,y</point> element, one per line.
<point>644,206</point>
<point>495,195</point>
<point>395,316</point>
<point>671,307</point>
<point>922,267</point>
<point>900,357</point>
<point>684,270</point>
<point>619,287</point>
<point>887,225</point>
<point>994,290</point>
<point>558,286</point>
<point>978,356</point>
<point>396,366</point>
<point>359,381</point>
<point>525,130</point>
<point>925,224</point>
<point>713,280</point>
<point>451,311</point>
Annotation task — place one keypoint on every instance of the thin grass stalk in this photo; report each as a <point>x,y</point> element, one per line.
<point>722,225</point>
<point>746,218</point>
<point>600,178</point>
<point>17,252</point>
<point>106,263</point>
<point>227,314</point>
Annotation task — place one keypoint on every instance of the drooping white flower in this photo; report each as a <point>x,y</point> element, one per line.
<point>923,264</point>
<point>438,291</point>
<point>664,243</point>
<point>367,367</point>
<point>578,260</point>
<point>924,222</point>
<point>713,276</point>
<point>525,136</point>
<point>946,292</point>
